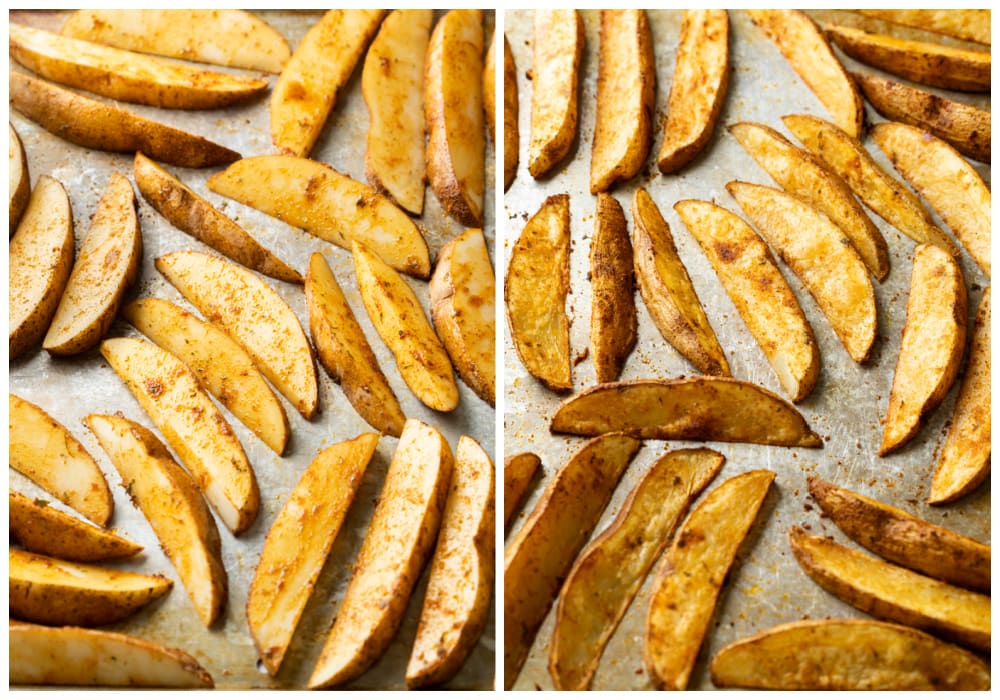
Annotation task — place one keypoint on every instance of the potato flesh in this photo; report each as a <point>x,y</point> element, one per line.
<point>19,187</point>
<point>613,323</point>
<point>511,136</point>
<point>972,25</point>
<point>518,472</point>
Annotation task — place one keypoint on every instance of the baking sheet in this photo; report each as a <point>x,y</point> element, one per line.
<point>69,389</point>
<point>766,586</point>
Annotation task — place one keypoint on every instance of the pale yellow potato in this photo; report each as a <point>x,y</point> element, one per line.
<point>610,571</point>
<point>19,187</point>
<point>453,104</point>
<point>254,315</point>
<point>314,75</point>
<point>327,204</point>
<point>127,76</point>
<point>518,472</point>
<point>511,136</point>
<point>392,85</point>
<point>972,25</point>
<point>398,543</point>
<point>613,323</point>
<point>200,436</point>
<point>543,550</point>
<point>298,543</point>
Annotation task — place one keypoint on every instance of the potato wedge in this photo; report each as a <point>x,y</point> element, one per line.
<point>972,25</point>
<point>626,99</point>
<point>462,292</point>
<point>55,592</point>
<point>893,593</point>
<point>489,88</point>
<point>19,188</point>
<point>461,575</point>
<point>518,472</point>
<point>223,37</point>
<point>690,579</point>
<point>392,81</point>
<point>535,295</point>
<point>699,87</point>
<point>299,542</point>
<point>555,76</point>
<point>932,347</point>
<point>847,655</point>
<point>40,259</point>
<point>127,76</point>
<point>610,571</point>
<point>543,550</point>
<point>613,323</point>
<point>398,543</point>
<point>511,136</point>
<point>254,315</point>
<point>45,452</point>
<point>73,656</point>
<point>763,299</point>
<point>195,216</point>
<point>453,104</point>
<point>344,351</point>
<point>331,206</point>
<point>106,266</point>
<point>314,75</point>
<point>667,291</point>
<point>169,393</point>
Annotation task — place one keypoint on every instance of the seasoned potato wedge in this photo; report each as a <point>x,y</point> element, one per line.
<point>299,542</point>
<point>489,88</point>
<point>518,472</point>
<point>399,541</point>
<point>613,324</point>
<point>19,187</point>
<point>511,136</point>
<point>610,571</point>
<point>543,550</point>
<point>972,25</point>
<point>692,574</point>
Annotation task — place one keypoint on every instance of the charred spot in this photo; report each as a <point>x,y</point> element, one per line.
<point>154,387</point>
<point>727,252</point>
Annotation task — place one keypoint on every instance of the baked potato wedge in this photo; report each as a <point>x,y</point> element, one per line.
<point>612,568</point>
<point>19,187</point>
<point>518,472</point>
<point>971,25</point>
<point>489,88</point>
<point>511,136</point>
<point>613,323</point>
<point>398,543</point>
<point>543,550</point>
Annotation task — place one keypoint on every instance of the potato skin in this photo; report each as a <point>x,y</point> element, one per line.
<point>518,472</point>
<point>20,179</point>
<point>613,323</point>
<point>511,136</point>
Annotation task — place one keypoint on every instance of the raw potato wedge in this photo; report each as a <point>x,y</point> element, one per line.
<point>398,543</point>
<point>169,498</point>
<point>535,294</point>
<point>254,315</point>
<point>613,323</point>
<point>807,50</point>
<point>462,292</point>
<point>106,266</point>
<point>972,25</point>
<point>461,574</point>
<point>965,458</point>
<point>453,102</point>
<point>80,657</point>
<point>403,325</point>
<point>610,571</point>
<point>511,136</point>
<point>331,206</point>
<point>196,217</point>
<point>223,37</point>
<point>543,550</point>
<point>299,542</point>
<point>19,187</point>
<point>127,76</point>
<point>902,538</point>
<point>698,90</point>
<point>690,579</point>
<point>40,259</point>
<point>626,98</point>
<point>518,472</point>
<point>932,347</point>
<point>314,75</point>
<point>55,592</point>
<point>45,452</point>
<point>893,593</point>
<point>847,655</point>
<point>765,302</point>
<point>107,127</point>
<point>169,393</point>
<point>668,293</point>
<point>392,85</point>
<point>344,351</point>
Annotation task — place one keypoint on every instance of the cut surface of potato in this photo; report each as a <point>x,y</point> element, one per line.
<point>972,25</point>
<point>518,472</point>
<point>511,135</point>
<point>19,187</point>
<point>613,323</point>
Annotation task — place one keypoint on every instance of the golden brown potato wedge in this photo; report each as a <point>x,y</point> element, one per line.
<point>610,571</point>
<point>299,542</point>
<point>692,574</point>
<point>847,655</point>
<point>626,98</point>
<point>511,136</point>
<point>763,298</point>
<point>489,88</point>
<point>543,550</point>
<point>19,188</point>
<point>698,91</point>
<point>399,541</point>
<point>972,25</point>
<point>518,472</point>
<point>314,75</point>
<point>932,347</point>
<point>613,323</point>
